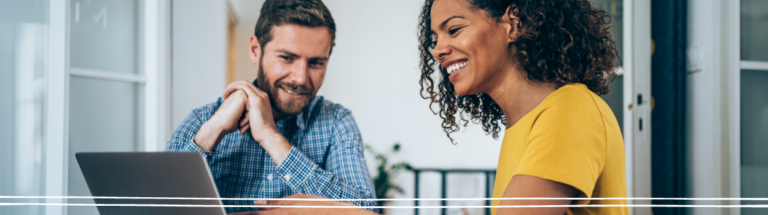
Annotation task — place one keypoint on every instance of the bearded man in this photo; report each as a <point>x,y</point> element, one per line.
<point>290,141</point>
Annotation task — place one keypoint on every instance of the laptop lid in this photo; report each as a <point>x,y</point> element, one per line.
<point>150,174</point>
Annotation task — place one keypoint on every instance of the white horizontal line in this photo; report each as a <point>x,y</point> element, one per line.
<point>754,65</point>
<point>389,207</point>
<point>106,75</point>
<point>389,199</point>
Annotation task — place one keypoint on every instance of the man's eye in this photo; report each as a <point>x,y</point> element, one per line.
<point>285,57</point>
<point>316,63</point>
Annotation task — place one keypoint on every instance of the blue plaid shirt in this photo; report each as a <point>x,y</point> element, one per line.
<point>326,158</point>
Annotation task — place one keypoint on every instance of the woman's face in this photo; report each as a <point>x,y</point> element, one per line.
<point>471,46</point>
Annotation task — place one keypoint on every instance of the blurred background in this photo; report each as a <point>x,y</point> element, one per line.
<point>119,75</point>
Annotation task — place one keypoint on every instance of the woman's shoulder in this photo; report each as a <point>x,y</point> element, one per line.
<point>570,109</point>
<point>571,98</point>
<point>571,106</point>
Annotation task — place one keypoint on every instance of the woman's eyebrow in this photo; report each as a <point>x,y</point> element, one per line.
<point>442,25</point>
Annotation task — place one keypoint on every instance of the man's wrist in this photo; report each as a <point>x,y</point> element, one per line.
<point>208,136</point>
<point>276,146</point>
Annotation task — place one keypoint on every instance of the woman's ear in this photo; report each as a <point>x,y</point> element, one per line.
<point>512,22</point>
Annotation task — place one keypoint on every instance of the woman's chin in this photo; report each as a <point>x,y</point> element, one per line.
<point>464,87</point>
<point>460,91</point>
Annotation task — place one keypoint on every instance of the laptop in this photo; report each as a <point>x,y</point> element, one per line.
<point>150,174</point>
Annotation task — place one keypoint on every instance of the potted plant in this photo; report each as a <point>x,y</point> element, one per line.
<point>386,173</point>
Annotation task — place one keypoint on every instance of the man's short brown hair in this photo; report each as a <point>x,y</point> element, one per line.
<point>311,13</point>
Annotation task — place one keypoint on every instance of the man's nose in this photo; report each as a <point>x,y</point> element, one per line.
<point>300,73</point>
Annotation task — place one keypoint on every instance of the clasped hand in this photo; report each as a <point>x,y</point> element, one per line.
<point>245,108</point>
<point>256,111</point>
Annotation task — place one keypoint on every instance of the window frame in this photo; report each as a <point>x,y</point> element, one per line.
<point>736,65</point>
<point>155,17</point>
<point>637,81</point>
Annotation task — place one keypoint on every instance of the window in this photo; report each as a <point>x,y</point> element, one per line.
<point>105,86</point>
<point>76,76</point>
<point>615,98</point>
<point>23,95</point>
<point>754,102</point>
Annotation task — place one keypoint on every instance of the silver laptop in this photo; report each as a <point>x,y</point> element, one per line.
<point>150,174</point>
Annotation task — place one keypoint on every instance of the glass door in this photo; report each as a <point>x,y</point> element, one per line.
<point>23,76</point>
<point>77,76</point>
<point>631,31</point>
<point>106,103</point>
<point>754,102</point>
<point>615,98</point>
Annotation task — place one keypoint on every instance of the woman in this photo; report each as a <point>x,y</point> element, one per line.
<point>536,67</point>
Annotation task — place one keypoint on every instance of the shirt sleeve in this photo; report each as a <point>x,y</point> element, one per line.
<point>566,144</point>
<point>183,138</point>
<point>345,175</point>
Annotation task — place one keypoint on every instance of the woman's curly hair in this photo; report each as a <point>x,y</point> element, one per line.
<point>560,42</point>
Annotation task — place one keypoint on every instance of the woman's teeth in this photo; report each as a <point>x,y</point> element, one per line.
<point>457,66</point>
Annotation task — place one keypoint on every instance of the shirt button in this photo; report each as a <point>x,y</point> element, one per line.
<point>269,177</point>
<point>287,177</point>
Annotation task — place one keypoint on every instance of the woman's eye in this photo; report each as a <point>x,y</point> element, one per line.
<point>453,31</point>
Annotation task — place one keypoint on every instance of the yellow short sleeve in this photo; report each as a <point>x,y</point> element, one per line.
<point>567,144</point>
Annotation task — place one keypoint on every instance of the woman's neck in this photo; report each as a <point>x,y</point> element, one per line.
<point>516,95</point>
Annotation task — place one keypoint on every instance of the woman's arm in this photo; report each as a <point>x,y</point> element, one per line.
<point>313,207</point>
<point>524,186</point>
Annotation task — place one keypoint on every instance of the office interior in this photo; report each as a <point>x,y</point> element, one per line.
<point>119,75</point>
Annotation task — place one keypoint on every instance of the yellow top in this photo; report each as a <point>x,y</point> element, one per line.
<point>572,137</point>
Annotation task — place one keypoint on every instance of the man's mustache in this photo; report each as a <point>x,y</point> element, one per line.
<point>301,89</point>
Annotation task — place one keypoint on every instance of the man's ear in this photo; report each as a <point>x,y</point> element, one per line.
<point>255,50</point>
<point>512,22</point>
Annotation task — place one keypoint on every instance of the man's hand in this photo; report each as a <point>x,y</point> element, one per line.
<point>223,122</point>
<point>266,210</point>
<point>261,121</point>
<point>259,109</point>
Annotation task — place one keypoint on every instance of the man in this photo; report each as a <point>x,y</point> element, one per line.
<point>290,140</point>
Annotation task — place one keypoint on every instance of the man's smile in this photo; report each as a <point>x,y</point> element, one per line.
<point>293,94</point>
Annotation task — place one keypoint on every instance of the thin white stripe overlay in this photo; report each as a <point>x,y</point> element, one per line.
<point>388,207</point>
<point>391,199</point>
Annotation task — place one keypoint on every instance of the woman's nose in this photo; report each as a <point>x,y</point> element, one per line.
<point>441,50</point>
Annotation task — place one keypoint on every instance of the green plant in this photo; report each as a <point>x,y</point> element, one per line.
<point>385,173</point>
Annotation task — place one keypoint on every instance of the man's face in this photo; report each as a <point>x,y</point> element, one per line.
<point>292,66</point>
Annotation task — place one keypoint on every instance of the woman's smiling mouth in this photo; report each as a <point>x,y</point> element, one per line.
<point>455,69</point>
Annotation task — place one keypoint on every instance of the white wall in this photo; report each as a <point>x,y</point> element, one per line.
<point>199,45</point>
<point>244,68</point>
<point>374,72</point>
<point>247,13</point>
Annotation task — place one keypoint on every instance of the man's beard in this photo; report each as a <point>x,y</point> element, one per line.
<point>284,106</point>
